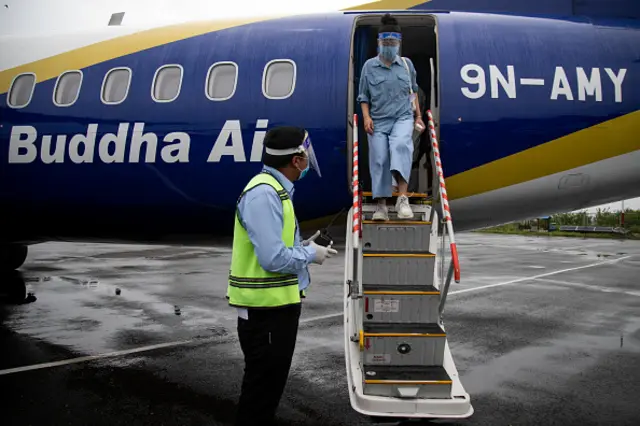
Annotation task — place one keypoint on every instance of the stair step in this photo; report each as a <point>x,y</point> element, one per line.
<point>391,269</point>
<point>396,236</point>
<point>410,329</point>
<point>391,374</point>
<point>398,254</point>
<point>367,216</point>
<point>403,344</point>
<point>415,289</point>
<point>410,195</point>
<point>418,305</point>
<point>407,381</point>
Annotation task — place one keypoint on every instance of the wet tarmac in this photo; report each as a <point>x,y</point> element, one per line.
<point>544,331</point>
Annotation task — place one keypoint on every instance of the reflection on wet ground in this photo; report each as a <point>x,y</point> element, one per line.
<point>557,343</point>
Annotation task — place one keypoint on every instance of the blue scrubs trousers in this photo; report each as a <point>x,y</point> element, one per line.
<point>390,149</point>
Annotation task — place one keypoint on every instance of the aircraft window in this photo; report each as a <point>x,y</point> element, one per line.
<point>67,88</point>
<point>115,86</point>
<point>167,83</point>
<point>21,90</point>
<point>221,81</point>
<point>279,79</point>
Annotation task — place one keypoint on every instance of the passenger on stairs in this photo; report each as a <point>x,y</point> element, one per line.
<point>391,111</point>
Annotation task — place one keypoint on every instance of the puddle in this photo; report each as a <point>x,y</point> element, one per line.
<point>88,314</point>
<point>551,362</point>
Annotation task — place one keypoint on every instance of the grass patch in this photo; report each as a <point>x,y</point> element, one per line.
<point>559,234</point>
<point>603,218</point>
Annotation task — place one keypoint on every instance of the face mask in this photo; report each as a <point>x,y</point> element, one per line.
<point>303,172</point>
<point>389,52</point>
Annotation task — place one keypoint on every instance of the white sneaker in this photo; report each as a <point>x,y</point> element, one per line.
<point>403,208</point>
<point>381,213</point>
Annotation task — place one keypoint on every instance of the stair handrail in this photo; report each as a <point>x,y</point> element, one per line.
<point>357,213</point>
<point>442,196</point>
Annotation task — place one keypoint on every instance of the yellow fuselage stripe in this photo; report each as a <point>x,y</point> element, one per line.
<point>388,4</point>
<point>605,140</point>
<point>52,67</point>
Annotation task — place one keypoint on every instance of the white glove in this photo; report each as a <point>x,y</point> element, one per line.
<point>322,253</point>
<point>312,238</point>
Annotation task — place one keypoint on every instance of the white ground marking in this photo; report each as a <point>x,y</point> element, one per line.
<point>606,262</point>
<point>603,289</point>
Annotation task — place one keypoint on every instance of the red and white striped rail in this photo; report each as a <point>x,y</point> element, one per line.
<point>357,211</point>
<point>446,212</point>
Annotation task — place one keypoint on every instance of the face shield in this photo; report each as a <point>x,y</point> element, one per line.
<point>306,150</point>
<point>311,155</point>
<point>389,45</point>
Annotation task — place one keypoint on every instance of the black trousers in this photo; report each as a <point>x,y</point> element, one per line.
<point>268,340</point>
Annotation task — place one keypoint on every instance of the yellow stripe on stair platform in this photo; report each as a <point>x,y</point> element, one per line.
<point>397,194</point>
<point>395,222</point>
<point>404,335</point>
<point>398,255</point>
<point>408,382</point>
<point>400,293</point>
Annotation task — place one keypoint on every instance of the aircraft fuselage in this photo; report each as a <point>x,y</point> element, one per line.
<point>535,115</point>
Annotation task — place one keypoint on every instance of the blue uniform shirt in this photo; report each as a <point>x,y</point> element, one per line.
<point>260,212</point>
<point>386,89</point>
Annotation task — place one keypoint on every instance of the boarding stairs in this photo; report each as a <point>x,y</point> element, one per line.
<point>397,356</point>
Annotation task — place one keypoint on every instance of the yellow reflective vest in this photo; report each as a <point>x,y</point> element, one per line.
<point>251,286</point>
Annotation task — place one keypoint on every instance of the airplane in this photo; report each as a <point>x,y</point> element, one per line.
<point>149,136</point>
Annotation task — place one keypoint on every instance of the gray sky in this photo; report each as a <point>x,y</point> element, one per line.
<point>36,16</point>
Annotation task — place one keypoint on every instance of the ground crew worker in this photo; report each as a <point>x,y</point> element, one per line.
<point>387,96</point>
<point>269,272</point>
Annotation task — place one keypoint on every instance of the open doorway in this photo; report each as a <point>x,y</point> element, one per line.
<point>419,44</point>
